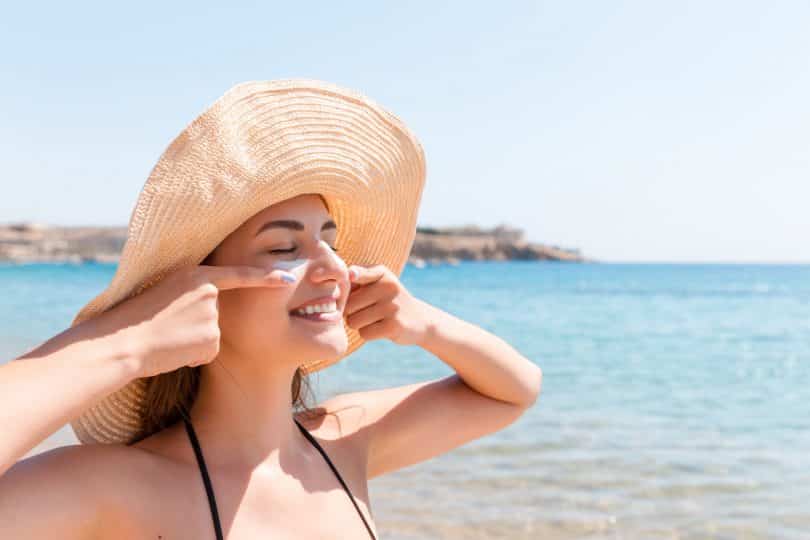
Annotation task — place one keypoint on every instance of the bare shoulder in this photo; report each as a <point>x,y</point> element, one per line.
<point>66,492</point>
<point>336,424</point>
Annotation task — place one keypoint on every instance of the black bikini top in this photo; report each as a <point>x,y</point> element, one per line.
<point>210,491</point>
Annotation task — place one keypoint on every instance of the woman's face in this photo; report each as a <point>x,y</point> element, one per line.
<point>257,321</point>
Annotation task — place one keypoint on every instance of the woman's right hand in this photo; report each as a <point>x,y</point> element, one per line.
<point>174,323</point>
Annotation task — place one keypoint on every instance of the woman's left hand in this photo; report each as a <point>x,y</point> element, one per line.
<point>379,306</point>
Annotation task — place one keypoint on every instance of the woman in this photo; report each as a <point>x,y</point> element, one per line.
<point>184,379</point>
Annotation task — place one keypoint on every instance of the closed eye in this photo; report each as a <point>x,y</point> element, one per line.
<point>290,250</point>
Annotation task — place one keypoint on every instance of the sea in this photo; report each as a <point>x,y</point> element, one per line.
<point>675,400</point>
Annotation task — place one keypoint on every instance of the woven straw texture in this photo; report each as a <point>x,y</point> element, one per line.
<point>258,144</point>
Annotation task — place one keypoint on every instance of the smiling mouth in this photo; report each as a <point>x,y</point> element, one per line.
<point>331,316</point>
<point>326,311</point>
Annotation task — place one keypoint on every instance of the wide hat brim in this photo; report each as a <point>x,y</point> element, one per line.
<point>260,143</point>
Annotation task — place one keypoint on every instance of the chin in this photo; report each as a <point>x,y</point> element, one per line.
<point>326,345</point>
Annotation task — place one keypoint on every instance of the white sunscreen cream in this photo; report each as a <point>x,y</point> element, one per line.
<point>299,266</point>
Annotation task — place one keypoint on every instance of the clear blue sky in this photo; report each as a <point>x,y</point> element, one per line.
<point>636,131</point>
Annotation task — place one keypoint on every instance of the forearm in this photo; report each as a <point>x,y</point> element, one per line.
<point>52,384</point>
<point>484,361</point>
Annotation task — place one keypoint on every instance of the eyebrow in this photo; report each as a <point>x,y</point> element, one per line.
<point>291,224</point>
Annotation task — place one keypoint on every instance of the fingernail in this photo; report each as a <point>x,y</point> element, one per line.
<point>289,278</point>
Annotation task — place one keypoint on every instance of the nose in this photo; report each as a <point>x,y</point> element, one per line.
<point>326,264</point>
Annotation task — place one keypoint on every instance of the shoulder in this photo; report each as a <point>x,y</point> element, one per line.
<point>337,420</point>
<point>83,468</point>
<point>336,424</point>
<point>67,492</point>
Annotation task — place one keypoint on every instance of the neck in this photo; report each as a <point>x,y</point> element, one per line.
<point>243,412</point>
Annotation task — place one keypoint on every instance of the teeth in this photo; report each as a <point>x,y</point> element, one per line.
<point>318,308</point>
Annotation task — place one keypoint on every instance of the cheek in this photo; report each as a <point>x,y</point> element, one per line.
<point>254,307</point>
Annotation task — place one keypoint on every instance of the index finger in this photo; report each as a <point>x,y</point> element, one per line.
<point>232,277</point>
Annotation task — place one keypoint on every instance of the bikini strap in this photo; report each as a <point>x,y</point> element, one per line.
<point>209,491</point>
<point>337,474</point>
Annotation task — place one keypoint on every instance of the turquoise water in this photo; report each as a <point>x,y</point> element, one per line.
<point>675,398</point>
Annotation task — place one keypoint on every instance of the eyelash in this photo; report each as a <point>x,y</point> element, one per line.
<point>293,249</point>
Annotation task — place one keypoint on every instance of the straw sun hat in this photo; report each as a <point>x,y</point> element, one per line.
<point>258,144</point>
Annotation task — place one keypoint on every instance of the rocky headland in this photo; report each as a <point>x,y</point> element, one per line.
<point>37,242</point>
<point>473,243</point>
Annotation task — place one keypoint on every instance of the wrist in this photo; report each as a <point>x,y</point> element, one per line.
<point>432,321</point>
<point>131,355</point>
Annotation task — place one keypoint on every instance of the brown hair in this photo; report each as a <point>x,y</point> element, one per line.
<point>170,396</point>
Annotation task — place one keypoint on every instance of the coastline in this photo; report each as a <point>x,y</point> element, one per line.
<point>30,242</point>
